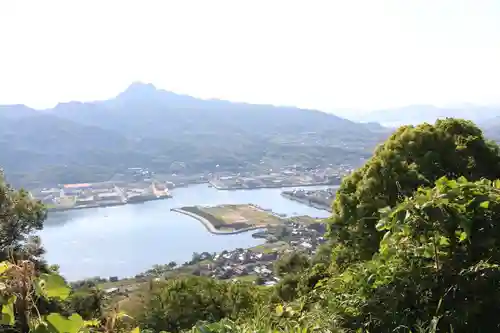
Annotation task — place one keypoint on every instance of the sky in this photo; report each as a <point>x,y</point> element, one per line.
<point>328,55</point>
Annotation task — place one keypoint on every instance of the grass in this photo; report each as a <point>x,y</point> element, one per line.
<point>119,284</point>
<point>246,278</point>
<point>304,219</point>
<point>270,247</point>
<point>235,217</point>
<point>247,214</point>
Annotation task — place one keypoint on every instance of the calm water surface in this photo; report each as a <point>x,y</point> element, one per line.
<point>126,240</point>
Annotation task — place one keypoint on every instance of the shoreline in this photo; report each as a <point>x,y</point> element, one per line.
<point>209,226</point>
<point>219,188</point>
<point>224,188</point>
<point>109,204</point>
<point>306,202</point>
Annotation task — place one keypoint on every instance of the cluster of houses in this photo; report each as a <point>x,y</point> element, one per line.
<point>243,262</point>
<point>306,237</point>
<point>238,263</point>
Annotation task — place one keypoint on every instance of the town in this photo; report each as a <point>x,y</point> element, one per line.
<point>79,196</point>
<point>257,263</point>
<point>285,177</point>
<point>300,234</point>
<point>297,234</point>
<point>140,184</point>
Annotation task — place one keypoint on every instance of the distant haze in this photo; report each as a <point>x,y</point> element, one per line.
<point>416,114</point>
<point>326,54</point>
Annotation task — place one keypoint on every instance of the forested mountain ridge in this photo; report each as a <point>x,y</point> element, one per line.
<point>144,126</point>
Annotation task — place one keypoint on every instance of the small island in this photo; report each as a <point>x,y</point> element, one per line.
<point>231,219</point>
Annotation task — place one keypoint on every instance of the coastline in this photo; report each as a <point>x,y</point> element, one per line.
<point>219,188</point>
<point>108,204</point>
<point>305,201</point>
<point>209,226</point>
<point>225,188</point>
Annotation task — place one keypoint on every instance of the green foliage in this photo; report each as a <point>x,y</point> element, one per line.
<point>20,290</point>
<point>8,317</point>
<point>452,231</point>
<point>228,326</point>
<point>290,263</point>
<point>438,263</point>
<point>20,217</point>
<point>181,303</point>
<point>287,289</point>
<point>87,302</point>
<point>60,324</point>
<point>52,286</point>
<point>412,157</point>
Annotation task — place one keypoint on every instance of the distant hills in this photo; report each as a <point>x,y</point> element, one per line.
<point>416,114</point>
<point>148,127</point>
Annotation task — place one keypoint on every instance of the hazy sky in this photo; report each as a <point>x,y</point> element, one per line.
<point>321,54</point>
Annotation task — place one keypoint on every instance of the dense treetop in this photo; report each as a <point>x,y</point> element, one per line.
<point>412,157</point>
<point>20,218</point>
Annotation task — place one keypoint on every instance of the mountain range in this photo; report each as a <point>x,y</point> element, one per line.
<point>148,127</point>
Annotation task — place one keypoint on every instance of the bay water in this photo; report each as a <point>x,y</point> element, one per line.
<point>126,240</point>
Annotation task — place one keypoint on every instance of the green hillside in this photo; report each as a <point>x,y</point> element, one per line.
<point>143,126</point>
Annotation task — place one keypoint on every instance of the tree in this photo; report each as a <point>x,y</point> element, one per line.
<point>438,263</point>
<point>293,262</point>
<point>259,280</point>
<point>323,254</point>
<point>182,302</point>
<point>172,264</point>
<point>196,258</point>
<point>412,157</point>
<point>87,302</point>
<point>286,289</point>
<point>20,217</point>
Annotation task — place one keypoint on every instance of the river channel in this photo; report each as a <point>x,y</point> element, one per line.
<point>126,240</point>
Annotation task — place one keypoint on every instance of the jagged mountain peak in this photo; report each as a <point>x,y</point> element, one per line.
<point>138,90</point>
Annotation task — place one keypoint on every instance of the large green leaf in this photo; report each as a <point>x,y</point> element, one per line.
<point>60,324</point>
<point>4,265</point>
<point>52,286</point>
<point>8,312</point>
<point>484,204</point>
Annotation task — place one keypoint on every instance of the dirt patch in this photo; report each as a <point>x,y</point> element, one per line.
<point>235,217</point>
<point>243,214</point>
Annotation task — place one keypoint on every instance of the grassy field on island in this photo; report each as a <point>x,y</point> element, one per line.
<point>235,217</point>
